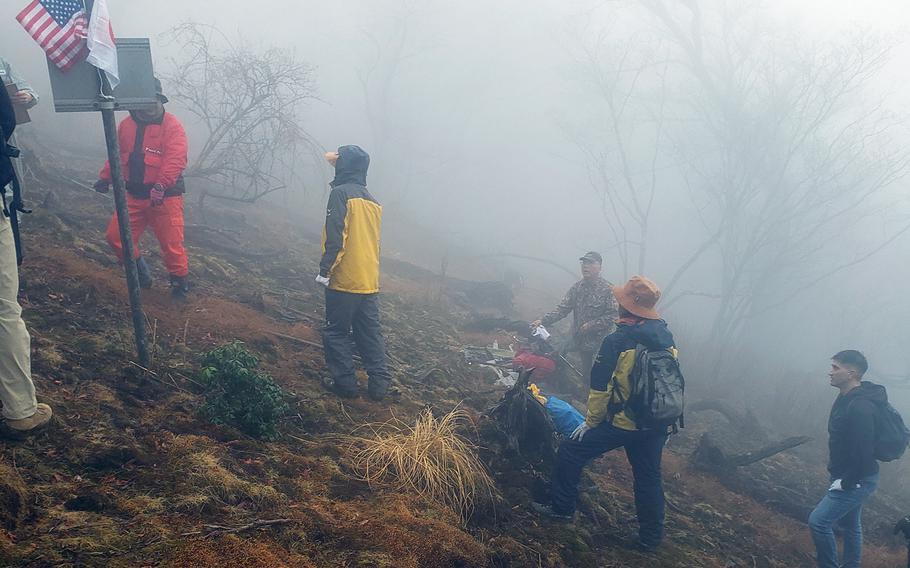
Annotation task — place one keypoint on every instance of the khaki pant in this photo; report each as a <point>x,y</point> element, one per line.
<point>17,392</point>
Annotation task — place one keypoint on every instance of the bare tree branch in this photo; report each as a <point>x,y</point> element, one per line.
<point>250,103</point>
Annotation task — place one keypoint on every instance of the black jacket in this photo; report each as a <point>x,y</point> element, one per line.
<point>8,123</point>
<point>851,434</point>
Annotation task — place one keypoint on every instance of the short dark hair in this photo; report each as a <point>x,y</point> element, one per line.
<point>852,358</point>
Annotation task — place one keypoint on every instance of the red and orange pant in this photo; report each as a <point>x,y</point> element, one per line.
<point>166,221</point>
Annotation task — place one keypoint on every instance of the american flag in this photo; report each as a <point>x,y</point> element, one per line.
<point>59,27</point>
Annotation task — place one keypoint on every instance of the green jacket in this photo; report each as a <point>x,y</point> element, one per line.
<point>8,75</point>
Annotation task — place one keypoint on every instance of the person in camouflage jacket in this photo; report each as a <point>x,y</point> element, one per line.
<point>593,308</point>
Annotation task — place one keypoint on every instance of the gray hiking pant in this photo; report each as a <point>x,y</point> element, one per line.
<point>352,320</point>
<point>16,389</point>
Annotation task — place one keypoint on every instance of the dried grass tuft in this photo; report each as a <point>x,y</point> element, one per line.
<point>429,458</point>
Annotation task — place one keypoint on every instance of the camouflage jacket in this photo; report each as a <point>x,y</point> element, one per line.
<point>590,303</point>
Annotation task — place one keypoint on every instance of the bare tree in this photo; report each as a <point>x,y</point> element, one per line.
<point>399,40</point>
<point>624,158</point>
<point>787,163</point>
<point>799,163</point>
<point>379,73</point>
<point>249,104</point>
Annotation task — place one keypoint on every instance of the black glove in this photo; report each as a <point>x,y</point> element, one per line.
<point>157,195</point>
<point>102,186</point>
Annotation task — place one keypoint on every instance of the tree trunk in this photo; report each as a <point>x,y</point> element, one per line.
<point>710,456</point>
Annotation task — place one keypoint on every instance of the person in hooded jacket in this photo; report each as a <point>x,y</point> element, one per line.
<point>608,425</point>
<point>349,269</point>
<point>851,461</point>
<point>153,155</point>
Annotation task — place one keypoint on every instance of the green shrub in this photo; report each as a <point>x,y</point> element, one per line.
<point>239,394</point>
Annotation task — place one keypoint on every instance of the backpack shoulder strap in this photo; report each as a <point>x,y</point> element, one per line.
<point>621,401</point>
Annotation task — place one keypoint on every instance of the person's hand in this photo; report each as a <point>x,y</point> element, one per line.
<point>102,186</point>
<point>585,327</point>
<point>836,485</point>
<point>580,432</point>
<point>324,280</point>
<point>157,195</point>
<point>22,98</point>
<point>535,324</point>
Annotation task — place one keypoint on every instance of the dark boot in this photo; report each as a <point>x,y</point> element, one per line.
<point>180,286</point>
<point>330,385</point>
<point>145,273</point>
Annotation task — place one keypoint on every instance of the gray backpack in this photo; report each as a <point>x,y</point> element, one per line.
<point>658,390</point>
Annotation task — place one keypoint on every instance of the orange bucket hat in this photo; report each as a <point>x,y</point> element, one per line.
<point>639,296</point>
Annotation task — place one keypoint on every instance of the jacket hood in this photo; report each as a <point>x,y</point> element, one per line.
<point>351,167</point>
<point>653,334</point>
<point>868,391</point>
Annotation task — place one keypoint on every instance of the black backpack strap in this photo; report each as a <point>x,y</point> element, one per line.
<point>614,408</point>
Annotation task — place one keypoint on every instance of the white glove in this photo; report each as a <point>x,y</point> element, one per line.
<point>836,486</point>
<point>322,280</point>
<point>580,432</point>
<point>542,333</point>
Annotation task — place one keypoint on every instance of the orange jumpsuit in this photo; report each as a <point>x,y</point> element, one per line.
<point>153,153</point>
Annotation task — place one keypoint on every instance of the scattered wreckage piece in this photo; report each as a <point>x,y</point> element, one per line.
<point>525,423</point>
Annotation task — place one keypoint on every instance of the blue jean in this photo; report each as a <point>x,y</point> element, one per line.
<point>644,449</point>
<point>845,508</point>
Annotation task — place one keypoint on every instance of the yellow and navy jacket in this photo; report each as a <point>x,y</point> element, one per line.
<point>353,222</point>
<point>612,371</point>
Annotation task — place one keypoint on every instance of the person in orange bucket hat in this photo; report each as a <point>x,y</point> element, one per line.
<point>616,418</point>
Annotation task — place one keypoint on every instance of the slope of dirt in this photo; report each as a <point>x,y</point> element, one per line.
<point>132,476</point>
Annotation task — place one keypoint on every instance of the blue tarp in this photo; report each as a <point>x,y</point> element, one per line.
<point>564,416</point>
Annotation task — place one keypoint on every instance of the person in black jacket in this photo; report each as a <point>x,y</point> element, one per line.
<point>851,462</point>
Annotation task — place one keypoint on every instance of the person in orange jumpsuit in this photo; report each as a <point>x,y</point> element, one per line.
<point>153,155</point>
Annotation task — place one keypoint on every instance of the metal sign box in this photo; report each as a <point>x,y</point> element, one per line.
<point>77,89</point>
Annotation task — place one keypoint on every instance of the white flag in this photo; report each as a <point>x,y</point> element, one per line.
<point>102,50</point>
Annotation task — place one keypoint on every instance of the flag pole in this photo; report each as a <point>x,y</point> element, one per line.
<point>107,104</point>
<point>123,221</point>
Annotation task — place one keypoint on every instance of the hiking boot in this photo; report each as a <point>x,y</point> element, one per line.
<point>631,541</point>
<point>180,286</point>
<point>330,385</point>
<point>639,546</point>
<point>547,511</point>
<point>392,393</point>
<point>145,273</point>
<point>33,423</point>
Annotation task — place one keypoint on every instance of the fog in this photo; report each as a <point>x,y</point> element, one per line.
<point>486,123</point>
